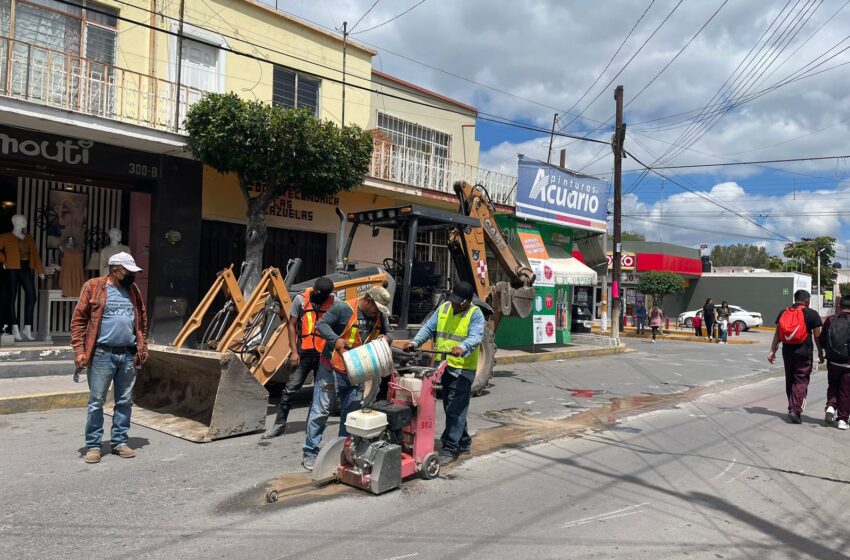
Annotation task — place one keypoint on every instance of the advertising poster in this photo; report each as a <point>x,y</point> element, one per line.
<point>544,329</point>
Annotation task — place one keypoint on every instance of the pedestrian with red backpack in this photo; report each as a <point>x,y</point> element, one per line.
<point>796,326</point>
<point>835,339</point>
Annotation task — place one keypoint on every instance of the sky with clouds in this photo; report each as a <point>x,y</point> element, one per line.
<point>725,81</point>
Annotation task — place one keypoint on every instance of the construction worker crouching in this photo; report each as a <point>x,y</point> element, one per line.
<point>306,345</point>
<point>458,329</point>
<point>344,326</point>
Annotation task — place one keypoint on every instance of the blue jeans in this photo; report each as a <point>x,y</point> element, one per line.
<point>107,368</point>
<point>349,396</point>
<point>724,334</point>
<point>457,390</point>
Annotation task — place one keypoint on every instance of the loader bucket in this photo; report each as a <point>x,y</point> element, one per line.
<point>198,395</point>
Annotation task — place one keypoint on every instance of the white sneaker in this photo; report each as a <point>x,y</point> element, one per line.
<point>843,425</point>
<point>653,341</point>
<point>830,415</point>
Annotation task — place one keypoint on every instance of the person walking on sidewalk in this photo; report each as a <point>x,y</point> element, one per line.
<point>108,330</point>
<point>345,326</point>
<point>795,328</point>
<point>723,315</point>
<point>305,345</point>
<point>458,329</point>
<point>709,317</point>
<point>696,323</point>
<point>640,316</point>
<point>835,340</point>
<point>656,320</point>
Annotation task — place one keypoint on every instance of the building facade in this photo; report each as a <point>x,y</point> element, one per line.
<point>92,97</point>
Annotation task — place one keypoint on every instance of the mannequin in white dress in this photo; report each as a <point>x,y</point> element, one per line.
<point>113,248</point>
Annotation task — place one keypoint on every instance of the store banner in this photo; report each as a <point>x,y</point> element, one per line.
<point>538,256</point>
<point>548,193</point>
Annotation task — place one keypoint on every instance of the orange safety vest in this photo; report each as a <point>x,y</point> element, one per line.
<point>351,334</point>
<point>310,339</point>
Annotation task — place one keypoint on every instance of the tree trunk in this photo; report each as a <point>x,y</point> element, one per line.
<point>255,241</point>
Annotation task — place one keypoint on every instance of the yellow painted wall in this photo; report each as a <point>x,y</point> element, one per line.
<point>464,148</point>
<point>223,201</point>
<point>235,23</point>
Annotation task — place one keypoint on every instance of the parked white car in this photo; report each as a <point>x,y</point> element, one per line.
<point>747,319</point>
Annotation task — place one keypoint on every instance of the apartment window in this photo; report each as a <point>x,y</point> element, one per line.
<point>293,89</point>
<point>44,33</point>
<point>410,135</point>
<point>431,247</point>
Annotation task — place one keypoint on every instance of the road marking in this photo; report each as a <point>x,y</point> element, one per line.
<point>727,469</point>
<point>403,556</point>
<point>630,510</point>
<point>674,373</point>
<point>739,475</point>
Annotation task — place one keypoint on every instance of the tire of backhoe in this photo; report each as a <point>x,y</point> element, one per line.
<point>486,363</point>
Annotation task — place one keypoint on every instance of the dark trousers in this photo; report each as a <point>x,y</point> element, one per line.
<point>17,280</point>
<point>709,328</point>
<point>456,394</point>
<point>309,364</point>
<point>698,331</point>
<point>838,390</point>
<point>655,332</point>
<point>798,371</point>
<point>641,325</point>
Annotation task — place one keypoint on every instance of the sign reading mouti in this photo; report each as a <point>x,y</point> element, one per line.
<point>43,150</point>
<point>550,194</point>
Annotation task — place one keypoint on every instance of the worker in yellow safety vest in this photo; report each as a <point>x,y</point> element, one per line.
<point>345,326</point>
<point>305,345</point>
<point>457,328</point>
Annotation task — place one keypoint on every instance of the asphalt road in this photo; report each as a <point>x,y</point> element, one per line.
<point>715,476</point>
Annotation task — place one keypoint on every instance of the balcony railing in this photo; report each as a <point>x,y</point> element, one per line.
<point>75,83</point>
<point>422,170</point>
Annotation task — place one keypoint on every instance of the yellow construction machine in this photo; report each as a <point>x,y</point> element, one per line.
<point>218,389</point>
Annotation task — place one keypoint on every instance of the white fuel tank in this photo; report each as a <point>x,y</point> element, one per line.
<point>411,383</point>
<point>366,423</point>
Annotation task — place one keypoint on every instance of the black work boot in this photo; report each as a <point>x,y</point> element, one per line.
<point>275,431</point>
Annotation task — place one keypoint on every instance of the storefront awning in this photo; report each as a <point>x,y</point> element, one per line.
<point>572,272</point>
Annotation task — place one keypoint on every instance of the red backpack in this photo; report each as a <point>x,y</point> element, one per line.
<point>792,326</point>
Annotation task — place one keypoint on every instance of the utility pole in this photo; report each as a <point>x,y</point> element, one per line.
<point>619,136</point>
<point>551,138</point>
<point>179,65</point>
<point>344,55</point>
<point>563,158</point>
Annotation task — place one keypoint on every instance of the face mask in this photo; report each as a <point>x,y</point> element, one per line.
<point>128,280</point>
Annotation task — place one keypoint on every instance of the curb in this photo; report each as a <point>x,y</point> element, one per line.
<point>560,355</point>
<point>43,401</point>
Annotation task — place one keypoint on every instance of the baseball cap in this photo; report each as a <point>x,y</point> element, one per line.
<point>124,259</point>
<point>323,286</point>
<point>462,292</point>
<point>381,297</point>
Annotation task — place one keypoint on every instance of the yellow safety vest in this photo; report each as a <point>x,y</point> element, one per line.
<point>451,331</point>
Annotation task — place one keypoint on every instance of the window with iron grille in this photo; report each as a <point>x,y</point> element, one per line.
<point>431,246</point>
<point>294,89</point>
<point>414,136</point>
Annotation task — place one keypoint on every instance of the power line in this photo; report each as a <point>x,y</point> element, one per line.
<point>610,61</point>
<point>490,117</point>
<point>366,13</point>
<point>759,162</point>
<point>393,18</point>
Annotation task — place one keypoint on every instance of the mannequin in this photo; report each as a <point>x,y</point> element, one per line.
<point>19,255</point>
<point>72,276</point>
<point>113,248</point>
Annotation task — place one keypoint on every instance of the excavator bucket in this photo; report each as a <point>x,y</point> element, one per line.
<point>198,395</point>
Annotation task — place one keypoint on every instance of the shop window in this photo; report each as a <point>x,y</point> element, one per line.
<point>296,90</point>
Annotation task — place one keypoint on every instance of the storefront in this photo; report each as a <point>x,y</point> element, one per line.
<point>72,192</point>
<point>298,227</point>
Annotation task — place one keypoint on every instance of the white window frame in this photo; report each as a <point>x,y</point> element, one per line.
<point>448,146</point>
<point>199,35</point>
<point>298,75</point>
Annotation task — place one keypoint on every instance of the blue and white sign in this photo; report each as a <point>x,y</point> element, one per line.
<point>550,194</point>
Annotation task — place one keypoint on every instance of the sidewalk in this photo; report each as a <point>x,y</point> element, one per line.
<point>49,392</point>
<point>678,335</point>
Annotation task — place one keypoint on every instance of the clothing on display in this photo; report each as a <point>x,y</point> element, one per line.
<point>72,277</point>
<point>21,278</point>
<point>15,250</point>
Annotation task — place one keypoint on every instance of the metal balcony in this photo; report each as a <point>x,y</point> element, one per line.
<point>71,82</point>
<point>409,167</point>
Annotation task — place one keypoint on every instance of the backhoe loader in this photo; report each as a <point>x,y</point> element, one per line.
<point>219,389</point>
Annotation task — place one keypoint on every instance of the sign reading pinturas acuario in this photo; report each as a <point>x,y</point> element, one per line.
<point>550,194</point>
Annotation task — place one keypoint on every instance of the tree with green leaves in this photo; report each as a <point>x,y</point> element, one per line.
<point>633,236</point>
<point>741,254</point>
<point>659,283</point>
<point>272,150</point>
<point>805,254</point>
